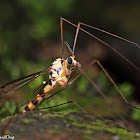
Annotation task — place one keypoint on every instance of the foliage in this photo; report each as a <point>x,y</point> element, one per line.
<point>136,115</point>
<point>127,89</point>
<point>9,108</point>
<point>82,84</point>
<point>43,15</point>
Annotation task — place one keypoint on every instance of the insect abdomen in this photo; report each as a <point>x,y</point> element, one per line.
<point>39,98</point>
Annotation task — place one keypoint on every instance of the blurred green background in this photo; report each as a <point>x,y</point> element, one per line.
<point>30,41</point>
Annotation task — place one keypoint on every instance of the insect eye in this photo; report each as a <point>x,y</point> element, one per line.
<point>69,60</point>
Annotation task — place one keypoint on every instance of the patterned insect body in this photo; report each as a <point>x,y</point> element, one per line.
<point>58,75</point>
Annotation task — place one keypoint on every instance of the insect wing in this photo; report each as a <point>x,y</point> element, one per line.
<point>19,82</point>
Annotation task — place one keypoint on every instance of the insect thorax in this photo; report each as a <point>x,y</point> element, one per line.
<point>58,72</point>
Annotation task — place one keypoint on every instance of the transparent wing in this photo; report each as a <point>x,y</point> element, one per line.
<point>19,82</point>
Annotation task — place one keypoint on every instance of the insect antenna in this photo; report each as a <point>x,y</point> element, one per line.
<point>68,46</point>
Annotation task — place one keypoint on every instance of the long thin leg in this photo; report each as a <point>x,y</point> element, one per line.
<point>64,104</point>
<point>121,38</point>
<point>96,61</point>
<point>105,97</point>
<point>97,88</point>
<point>61,28</point>
<point>76,35</point>
<point>75,40</point>
<point>106,44</point>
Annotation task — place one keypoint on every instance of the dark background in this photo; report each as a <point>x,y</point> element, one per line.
<point>30,41</point>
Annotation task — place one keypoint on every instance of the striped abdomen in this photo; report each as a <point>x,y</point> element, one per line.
<point>39,98</point>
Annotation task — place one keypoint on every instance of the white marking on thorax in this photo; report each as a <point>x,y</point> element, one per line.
<point>57,72</point>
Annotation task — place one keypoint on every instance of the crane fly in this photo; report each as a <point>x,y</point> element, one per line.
<point>61,74</point>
